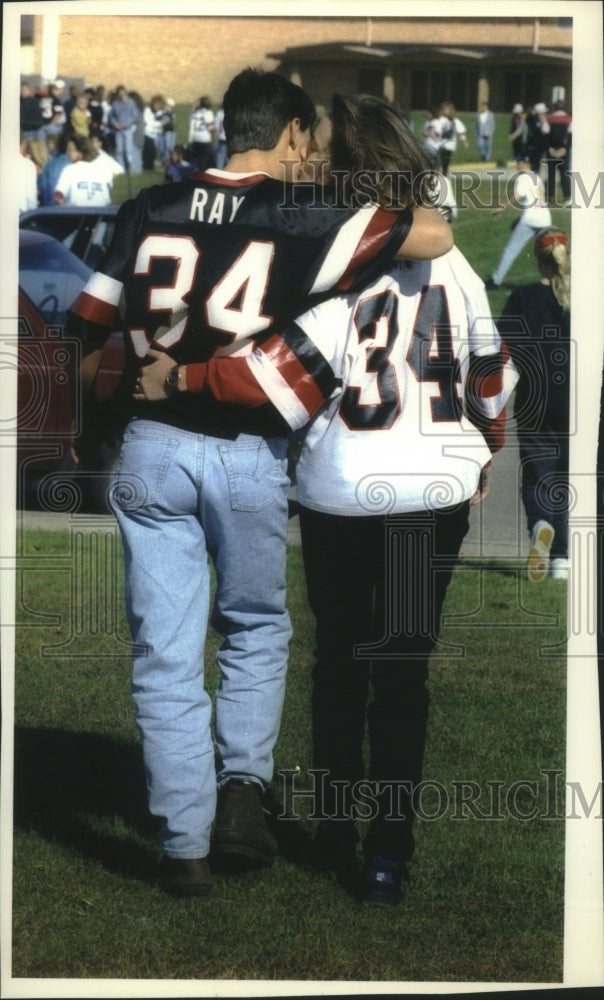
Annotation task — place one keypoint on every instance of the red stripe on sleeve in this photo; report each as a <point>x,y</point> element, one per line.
<point>294,373</point>
<point>93,309</point>
<point>368,246</point>
<point>231,380</point>
<point>486,386</point>
<point>228,379</point>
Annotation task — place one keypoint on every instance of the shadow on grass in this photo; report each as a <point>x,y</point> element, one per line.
<point>87,792</point>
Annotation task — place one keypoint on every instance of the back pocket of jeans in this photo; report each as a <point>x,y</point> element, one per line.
<point>141,470</point>
<point>256,471</point>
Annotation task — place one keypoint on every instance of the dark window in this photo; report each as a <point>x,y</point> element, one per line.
<point>457,89</point>
<point>526,88</point>
<point>371,81</point>
<point>513,90</point>
<point>27,29</point>
<point>420,94</point>
<point>533,92</point>
<point>429,88</point>
<point>439,89</point>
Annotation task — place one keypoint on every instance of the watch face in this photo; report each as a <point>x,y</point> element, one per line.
<point>172,377</point>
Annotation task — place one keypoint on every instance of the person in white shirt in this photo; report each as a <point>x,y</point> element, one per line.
<point>432,136</point>
<point>201,132</point>
<point>112,166</point>
<point>485,130</point>
<point>530,197</point>
<point>85,180</point>
<point>452,129</point>
<point>28,180</point>
<point>153,125</point>
<point>221,143</point>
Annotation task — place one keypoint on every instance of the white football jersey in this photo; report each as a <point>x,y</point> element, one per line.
<point>395,435</point>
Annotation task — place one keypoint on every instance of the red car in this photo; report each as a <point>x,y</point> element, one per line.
<point>50,278</point>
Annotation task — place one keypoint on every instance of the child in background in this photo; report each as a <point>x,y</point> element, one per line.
<point>178,167</point>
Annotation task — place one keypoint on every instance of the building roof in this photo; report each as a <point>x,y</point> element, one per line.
<point>395,53</point>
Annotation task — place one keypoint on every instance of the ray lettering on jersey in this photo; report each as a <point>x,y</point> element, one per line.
<point>222,206</point>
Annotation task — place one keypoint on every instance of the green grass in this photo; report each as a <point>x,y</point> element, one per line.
<point>486,901</point>
<point>127,187</point>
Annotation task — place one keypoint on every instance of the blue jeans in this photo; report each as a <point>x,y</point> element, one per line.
<point>181,497</point>
<point>124,146</point>
<point>484,144</point>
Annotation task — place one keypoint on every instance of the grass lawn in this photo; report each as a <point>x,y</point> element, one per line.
<point>487,889</point>
<point>486,899</point>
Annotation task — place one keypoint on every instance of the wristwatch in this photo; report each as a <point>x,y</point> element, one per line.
<point>172,382</point>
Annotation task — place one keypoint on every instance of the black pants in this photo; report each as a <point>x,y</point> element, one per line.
<point>444,156</point>
<point>559,167</point>
<point>379,582</point>
<point>149,153</point>
<point>544,462</point>
<point>201,154</point>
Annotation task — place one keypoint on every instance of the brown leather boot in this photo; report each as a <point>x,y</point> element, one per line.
<point>242,838</point>
<point>185,876</point>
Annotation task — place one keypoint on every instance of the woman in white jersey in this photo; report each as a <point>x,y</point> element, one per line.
<point>385,478</point>
<point>201,132</point>
<point>387,471</point>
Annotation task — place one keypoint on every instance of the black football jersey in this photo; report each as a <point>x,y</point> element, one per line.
<point>210,266</point>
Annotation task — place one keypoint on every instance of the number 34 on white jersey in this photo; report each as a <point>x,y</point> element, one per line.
<point>423,381</point>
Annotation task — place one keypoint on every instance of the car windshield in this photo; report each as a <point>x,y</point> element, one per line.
<point>85,233</point>
<point>51,277</point>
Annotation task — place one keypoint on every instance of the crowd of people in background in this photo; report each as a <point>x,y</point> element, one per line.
<point>141,136</point>
<point>537,136</point>
<point>116,130</point>
<point>540,136</point>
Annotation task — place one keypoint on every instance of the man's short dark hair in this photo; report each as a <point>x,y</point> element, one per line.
<point>258,105</point>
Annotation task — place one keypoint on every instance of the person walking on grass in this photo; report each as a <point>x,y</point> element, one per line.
<point>535,323</point>
<point>404,417</point>
<point>529,197</point>
<point>195,270</point>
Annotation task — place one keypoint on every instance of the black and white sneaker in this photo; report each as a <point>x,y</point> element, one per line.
<point>383,882</point>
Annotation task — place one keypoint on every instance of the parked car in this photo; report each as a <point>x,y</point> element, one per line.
<point>86,231</point>
<point>50,278</point>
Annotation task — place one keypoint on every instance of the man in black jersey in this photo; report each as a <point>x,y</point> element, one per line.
<point>199,269</point>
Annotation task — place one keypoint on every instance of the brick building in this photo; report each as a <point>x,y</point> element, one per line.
<point>416,62</point>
